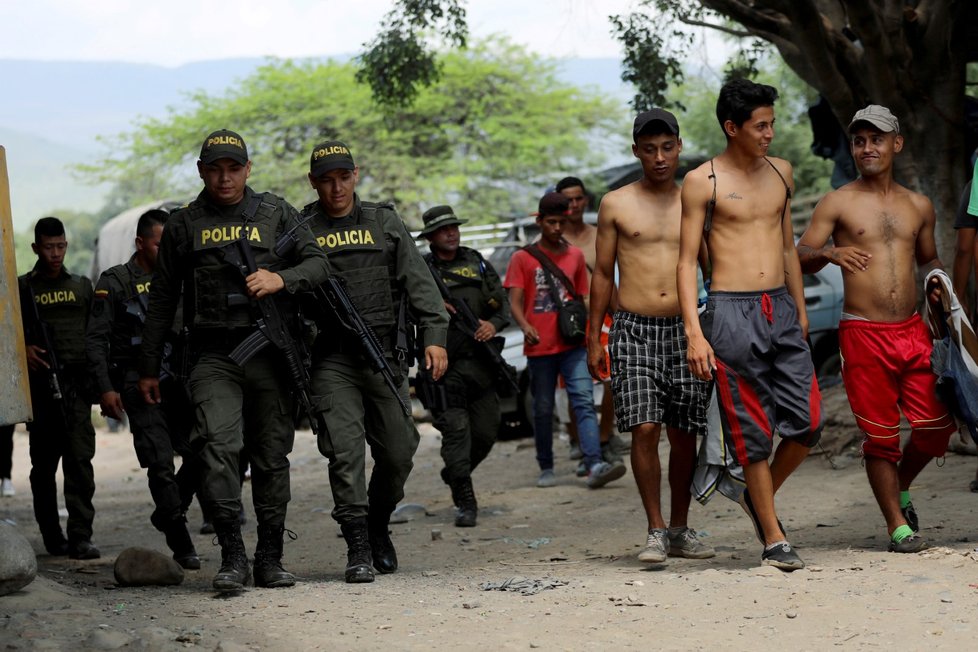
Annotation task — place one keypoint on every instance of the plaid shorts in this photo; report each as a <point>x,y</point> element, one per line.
<point>650,378</point>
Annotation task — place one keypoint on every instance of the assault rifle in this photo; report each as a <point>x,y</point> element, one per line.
<point>271,328</point>
<point>334,293</point>
<point>469,323</point>
<point>53,373</point>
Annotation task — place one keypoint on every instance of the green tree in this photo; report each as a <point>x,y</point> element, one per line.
<point>910,55</point>
<point>487,136</point>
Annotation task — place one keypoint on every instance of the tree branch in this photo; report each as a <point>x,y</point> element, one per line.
<point>720,28</point>
<point>756,21</point>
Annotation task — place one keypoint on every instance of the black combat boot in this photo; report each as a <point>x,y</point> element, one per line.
<point>381,546</point>
<point>179,541</point>
<point>268,558</point>
<point>55,542</point>
<point>467,509</point>
<point>358,569</point>
<point>235,570</point>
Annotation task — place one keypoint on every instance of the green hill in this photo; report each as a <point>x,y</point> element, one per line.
<point>40,181</point>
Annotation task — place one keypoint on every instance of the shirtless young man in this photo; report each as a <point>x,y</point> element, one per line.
<point>752,336</point>
<point>880,230</point>
<point>638,226</point>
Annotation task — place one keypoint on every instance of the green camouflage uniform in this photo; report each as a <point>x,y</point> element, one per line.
<point>470,420</point>
<point>236,407</point>
<point>373,252</point>
<point>61,432</point>
<point>115,331</point>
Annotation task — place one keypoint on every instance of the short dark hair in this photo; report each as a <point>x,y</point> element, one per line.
<point>570,182</point>
<point>49,227</point>
<point>149,219</point>
<point>739,97</point>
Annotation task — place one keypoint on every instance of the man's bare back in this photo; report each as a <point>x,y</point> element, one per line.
<point>645,228</point>
<point>886,228</point>
<point>746,237</point>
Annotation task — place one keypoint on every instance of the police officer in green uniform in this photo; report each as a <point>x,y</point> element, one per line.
<point>371,250</point>
<point>115,331</point>
<point>469,419</point>
<point>57,301</point>
<point>236,406</point>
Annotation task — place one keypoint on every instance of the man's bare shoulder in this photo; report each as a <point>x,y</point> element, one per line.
<point>920,201</point>
<point>698,182</point>
<point>700,173</point>
<point>627,195</point>
<point>614,197</point>
<point>783,166</point>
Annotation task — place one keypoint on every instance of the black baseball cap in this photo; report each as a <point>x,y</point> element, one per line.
<point>330,155</point>
<point>646,118</point>
<point>224,143</point>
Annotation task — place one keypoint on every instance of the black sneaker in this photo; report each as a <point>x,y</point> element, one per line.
<point>912,543</point>
<point>748,507</point>
<point>910,514</point>
<point>782,556</point>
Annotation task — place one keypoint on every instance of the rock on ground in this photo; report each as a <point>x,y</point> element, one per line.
<point>18,565</point>
<point>144,567</point>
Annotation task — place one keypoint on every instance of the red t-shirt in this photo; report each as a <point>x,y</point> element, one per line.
<point>539,308</point>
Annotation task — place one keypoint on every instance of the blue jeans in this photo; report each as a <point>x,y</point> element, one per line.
<point>572,365</point>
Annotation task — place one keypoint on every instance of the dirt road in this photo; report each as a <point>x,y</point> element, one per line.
<point>577,547</point>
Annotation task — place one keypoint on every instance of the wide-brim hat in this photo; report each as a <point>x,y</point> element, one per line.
<point>438,216</point>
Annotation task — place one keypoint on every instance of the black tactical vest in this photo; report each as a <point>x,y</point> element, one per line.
<point>63,303</point>
<point>216,295</point>
<point>129,311</point>
<point>361,253</point>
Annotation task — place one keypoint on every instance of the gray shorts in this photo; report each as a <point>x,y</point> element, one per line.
<point>765,378</point>
<point>650,378</point>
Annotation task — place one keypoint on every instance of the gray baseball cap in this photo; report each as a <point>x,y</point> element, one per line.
<point>878,116</point>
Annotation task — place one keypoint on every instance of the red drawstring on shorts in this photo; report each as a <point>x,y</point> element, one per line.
<point>767,307</point>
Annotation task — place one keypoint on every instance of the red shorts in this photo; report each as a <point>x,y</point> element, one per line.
<point>886,369</point>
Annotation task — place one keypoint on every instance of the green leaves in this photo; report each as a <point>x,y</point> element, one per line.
<point>400,61</point>
<point>496,128</point>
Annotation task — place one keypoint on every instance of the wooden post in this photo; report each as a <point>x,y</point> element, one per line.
<point>15,394</point>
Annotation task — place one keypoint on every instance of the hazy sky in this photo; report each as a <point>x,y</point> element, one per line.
<point>173,32</point>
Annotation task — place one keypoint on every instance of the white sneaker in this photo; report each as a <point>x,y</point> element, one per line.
<point>6,488</point>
